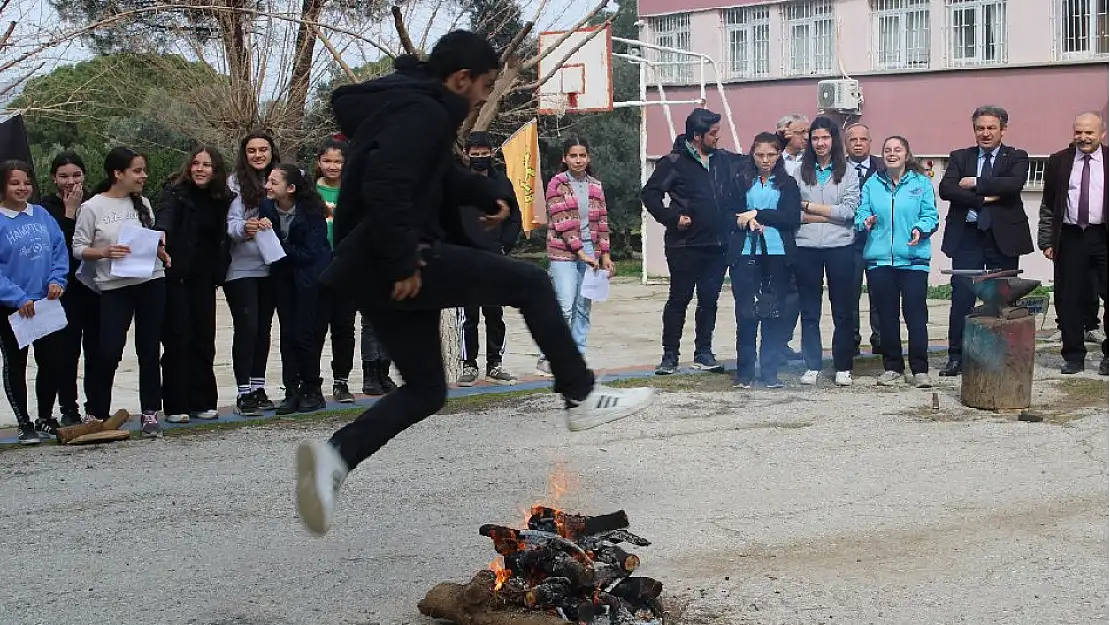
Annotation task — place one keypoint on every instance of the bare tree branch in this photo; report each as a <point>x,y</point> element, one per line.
<point>337,56</point>
<point>569,53</point>
<point>402,31</point>
<point>6,39</point>
<point>598,8</point>
<point>511,49</point>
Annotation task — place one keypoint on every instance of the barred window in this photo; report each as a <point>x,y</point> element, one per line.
<point>747,40</point>
<point>808,37</point>
<point>901,34</point>
<point>976,32</point>
<point>1082,29</point>
<point>673,31</point>
<point>1035,179</point>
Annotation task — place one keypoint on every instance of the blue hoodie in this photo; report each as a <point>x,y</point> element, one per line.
<point>33,255</point>
<point>899,211</point>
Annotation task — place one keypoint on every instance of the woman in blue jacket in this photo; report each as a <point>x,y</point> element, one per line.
<point>899,209</point>
<point>295,211</point>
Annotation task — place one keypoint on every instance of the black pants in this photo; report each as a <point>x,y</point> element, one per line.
<point>891,286</point>
<point>303,317</point>
<point>455,277</point>
<point>49,357</point>
<point>372,348</point>
<point>1090,305</point>
<point>252,316</point>
<point>700,269</point>
<point>469,317</point>
<point>342,309</point>
<point>82,306</point>
<point>189,342</point>
<point>860,272</point>
<point>977,250</point>
<point>1078,253</point>
<point>146,304</point>
<point>812,266</point>
<point>746,274</point>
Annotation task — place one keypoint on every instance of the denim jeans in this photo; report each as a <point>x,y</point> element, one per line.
<point>567,277</point>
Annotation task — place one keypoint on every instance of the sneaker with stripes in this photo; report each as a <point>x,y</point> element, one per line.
<point>605,405</point>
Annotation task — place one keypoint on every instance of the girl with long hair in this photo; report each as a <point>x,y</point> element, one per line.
<point>33,266</point>
<point>577,236</point>
<point>761,252</point>
<point>118,201</point>
<point>192,211</point>
<point>82,304</point>
<point>295,211</point>
<point>899,209</point>
<point>825,240</point>
<point>246,287</point>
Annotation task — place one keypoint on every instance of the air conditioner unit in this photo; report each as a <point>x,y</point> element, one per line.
<point>838,95</point>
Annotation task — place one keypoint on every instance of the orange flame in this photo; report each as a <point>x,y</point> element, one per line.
<point>501,573</point>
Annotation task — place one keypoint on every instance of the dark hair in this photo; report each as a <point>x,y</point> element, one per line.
<point>461,50</point>
<point>7,168</point>
<point>572,141</point>
<point>217,188</point>
<point>120,159</point>
<point>912,164</point>
<point>331,143</point>
<point>699,121</point>
<point>479,139</point>
<point>306,198</point>
<point>991,111</point>
<point>749,171</point>
<point>68,157</point>
<point>808,166</point>
<point>251,182</point>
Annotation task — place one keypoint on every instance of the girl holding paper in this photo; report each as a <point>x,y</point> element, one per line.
<point>109,224</point>
<point>247,290</point>
<point>33,266</point>
<point>193,213</point>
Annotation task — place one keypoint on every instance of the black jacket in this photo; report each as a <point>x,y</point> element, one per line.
<point>503,238</point>
<point>706,196</point>
<point>178,214</point>
<point>876,165</point>
<point>1009,223</point>
<point>1054,198</point>
<point>307,251</point>
<point>785,218</point>
<point>57,209</point>
<point>402,185</point>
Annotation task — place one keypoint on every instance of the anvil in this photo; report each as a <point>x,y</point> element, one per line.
<point>997,288</point>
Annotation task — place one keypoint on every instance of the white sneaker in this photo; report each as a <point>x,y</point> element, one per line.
<point>177,418</point>
<point>605,405</point>
<point>320,473</point>
<point>889,378</point>
<point>843,378</point>
<point>809,378</point>
<point>922,380</point>
<point>543,368</point>
<point>206,415</point>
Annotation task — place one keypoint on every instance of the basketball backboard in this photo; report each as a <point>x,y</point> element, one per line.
<point>581,82</point>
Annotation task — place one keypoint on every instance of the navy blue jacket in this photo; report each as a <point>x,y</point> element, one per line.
<point>704,193</point>
<point>307,252</point>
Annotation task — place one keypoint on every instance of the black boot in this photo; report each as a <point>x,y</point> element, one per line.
<point>371,379</point>
<point>312,397</point>
<point>70,417</point>
<point>291,403</point>
<point>388,386</point>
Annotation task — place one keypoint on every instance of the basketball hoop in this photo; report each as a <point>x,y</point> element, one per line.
<point>577,67</point>
<point>560,103</point>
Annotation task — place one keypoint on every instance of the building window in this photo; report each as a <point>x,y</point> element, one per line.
<point>808,37</point>
<point>748,42</point>
<point>673,31</point>
<point>901,33</point>
<point>976,32</point>
<point>1035,180</point>
<point>1082,32</point>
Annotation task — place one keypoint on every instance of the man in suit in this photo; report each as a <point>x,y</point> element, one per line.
<point>1072,232</point>
<point>987,227</point>
<point>858,139</point>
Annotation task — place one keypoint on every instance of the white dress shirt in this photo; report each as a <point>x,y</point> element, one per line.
<point>791,162</point>
<point>1094,193</point>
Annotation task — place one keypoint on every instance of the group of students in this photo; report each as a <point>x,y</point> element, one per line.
<point>209,220</point>
<point>783,228</point>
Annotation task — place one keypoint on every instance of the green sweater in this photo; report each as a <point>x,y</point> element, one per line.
<point>331,196</point>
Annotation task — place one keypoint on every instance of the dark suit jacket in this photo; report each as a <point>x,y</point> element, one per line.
<point>875,164</point>
<point>1054,199</point>
<point>1009,223</point>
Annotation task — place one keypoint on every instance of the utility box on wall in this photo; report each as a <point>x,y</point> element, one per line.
<point>840,95</point>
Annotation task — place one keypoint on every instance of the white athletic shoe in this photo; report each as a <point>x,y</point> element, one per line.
<point>809,378</point>
<point>605,405</point>
<point>320,473</point>
<point>206,415</point>
<point>843,378</point>
<point>177,418</point>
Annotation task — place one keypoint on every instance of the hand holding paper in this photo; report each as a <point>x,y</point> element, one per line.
<point>269,246</point>
<point>49,317</point>
<point>595,285</point>
<point>143,244</point>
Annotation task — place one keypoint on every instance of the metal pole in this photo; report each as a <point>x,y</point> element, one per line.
<point>644,175</point>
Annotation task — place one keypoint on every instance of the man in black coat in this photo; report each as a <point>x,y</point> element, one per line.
<point>857,138</point>
<point>499,240</point>
<point>986,227</point>
<point>400,248</point>
<point>1072,233</point>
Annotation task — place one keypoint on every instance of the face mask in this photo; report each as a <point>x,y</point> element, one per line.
<point>481,163</point>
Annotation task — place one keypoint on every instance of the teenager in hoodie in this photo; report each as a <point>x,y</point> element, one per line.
<point>698,179</point>
<point>398,234</point>
<point>899,210</point>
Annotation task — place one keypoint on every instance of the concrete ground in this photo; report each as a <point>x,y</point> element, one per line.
<point>765,507</point>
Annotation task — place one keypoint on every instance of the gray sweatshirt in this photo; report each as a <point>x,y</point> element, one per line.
<point>99,221</point>
<point>843,198</point>
<point>246,260</point>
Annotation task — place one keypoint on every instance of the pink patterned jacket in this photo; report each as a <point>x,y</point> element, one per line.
<point>564,233</point>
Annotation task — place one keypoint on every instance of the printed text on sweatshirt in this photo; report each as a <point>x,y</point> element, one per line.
<point>98,224</point>
<point>33,255</point>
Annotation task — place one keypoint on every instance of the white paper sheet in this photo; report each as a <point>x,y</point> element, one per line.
<point>595,285</point>
<point>144,252</point>
<point>269,246</point>
<point>49,318</point>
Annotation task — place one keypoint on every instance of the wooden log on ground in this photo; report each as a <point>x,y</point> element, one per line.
<point>103,436</point>
<point>67,435</point>
<point>475,604</point>
<point>998,358</point>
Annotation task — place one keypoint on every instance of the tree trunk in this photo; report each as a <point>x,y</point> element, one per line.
<point>998,355</point>
<point>505,81</point>
<point>234,36</point>
<point>302,68</point>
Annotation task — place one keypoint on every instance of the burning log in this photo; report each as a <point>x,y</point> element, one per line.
<point>475,604</point>
<point>637,589</point>
<point>612,554</point>
<point>573,525</point>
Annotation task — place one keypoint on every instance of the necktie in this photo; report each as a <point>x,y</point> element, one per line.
<point>1084,216</point>
<point>861,171</point>
<point>985,212</point>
